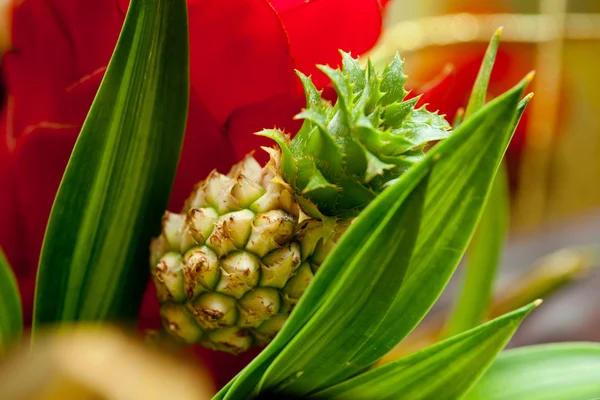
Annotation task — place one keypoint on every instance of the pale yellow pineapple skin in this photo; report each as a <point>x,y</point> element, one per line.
<point>230,268</point>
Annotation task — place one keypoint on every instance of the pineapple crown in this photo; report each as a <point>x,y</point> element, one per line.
<point>348,152</point>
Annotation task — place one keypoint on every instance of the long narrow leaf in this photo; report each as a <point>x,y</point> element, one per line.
<point>488,240</point>
<point>566,371</point>
<point>355,306</point>
<point>483,259</point>
<point>459,184</point>
<point>477,98</point>
<point>11,315</point>
<point>94,259</point>
<point>485,250</point>
<point>443,371</point>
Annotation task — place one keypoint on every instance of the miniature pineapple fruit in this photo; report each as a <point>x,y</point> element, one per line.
<point>231,266</point>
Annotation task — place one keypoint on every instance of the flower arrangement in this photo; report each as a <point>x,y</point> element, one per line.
<point>329,254</point>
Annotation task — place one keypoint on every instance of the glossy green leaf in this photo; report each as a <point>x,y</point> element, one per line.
<point>95,254</point>
<point>478,95</point>
<point>11,315</point>
<point>462,171</point>
<point>458,186</point>
<point>565,371</point>
<point>356,303</point>
<point>443,371</point>
<point>487,242</point>
<point>484,253</point>
<point>482,260</point>
<point>332,270</point>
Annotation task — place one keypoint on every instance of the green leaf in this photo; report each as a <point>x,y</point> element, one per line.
<point>460,180</point>
<point>288,166</point>
<point>392,83</point>
<point>343,90</point>
<point>11,316</point>
<point>477,99</point>
<point>313,100</point>
<point>375,167</point>
<point>358,300</point>
<point>220,395</point>
<point>443,371</point>
<point>488,240</point>
<point>566,371</point>
<point>423,127</point>
<point>94,262</point>
<point>483,259</point>
<point>484,253</point>
<point>463,168</point>
<point>395,114</point>
<point>332,270</point>
<point>354,71</point>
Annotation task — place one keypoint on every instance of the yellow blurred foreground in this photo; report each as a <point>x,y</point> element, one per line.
<point>94,362</point>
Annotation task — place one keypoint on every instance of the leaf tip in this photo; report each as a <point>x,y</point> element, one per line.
<point>522,85</point>
<point>529,77</point>
<point>527,99</point>
<point>498,32</point>
<point>537,302</point>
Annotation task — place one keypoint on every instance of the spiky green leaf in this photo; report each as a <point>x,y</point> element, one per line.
<point>392,84</point>
<point>288,166</point>
<point>363,141</point>
<point>355,72</point>
<point>395,114</point>
<point>344,90</point>
<point>422,128</point>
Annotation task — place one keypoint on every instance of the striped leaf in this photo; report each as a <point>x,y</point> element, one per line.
<point>94,259</point>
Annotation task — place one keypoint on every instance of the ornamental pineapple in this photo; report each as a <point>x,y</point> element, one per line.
<point>231,266</point>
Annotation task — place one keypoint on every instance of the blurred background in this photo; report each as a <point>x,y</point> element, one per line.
<point>553,161</point>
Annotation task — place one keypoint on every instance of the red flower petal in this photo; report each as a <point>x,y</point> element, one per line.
<point>91,29</point>
<point>79,98</point>
<point>225,366</point>
<point>150,312</point>
<point>435,93</point>
<point>318,28</point>
<point>205,147</point>
<point>279,113</point>
<point>239,54</point>
<point>33,75</point>
<point>10,228</point>
<point>65,45</point>
<point>50,146</point>
<point>36,184</point>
